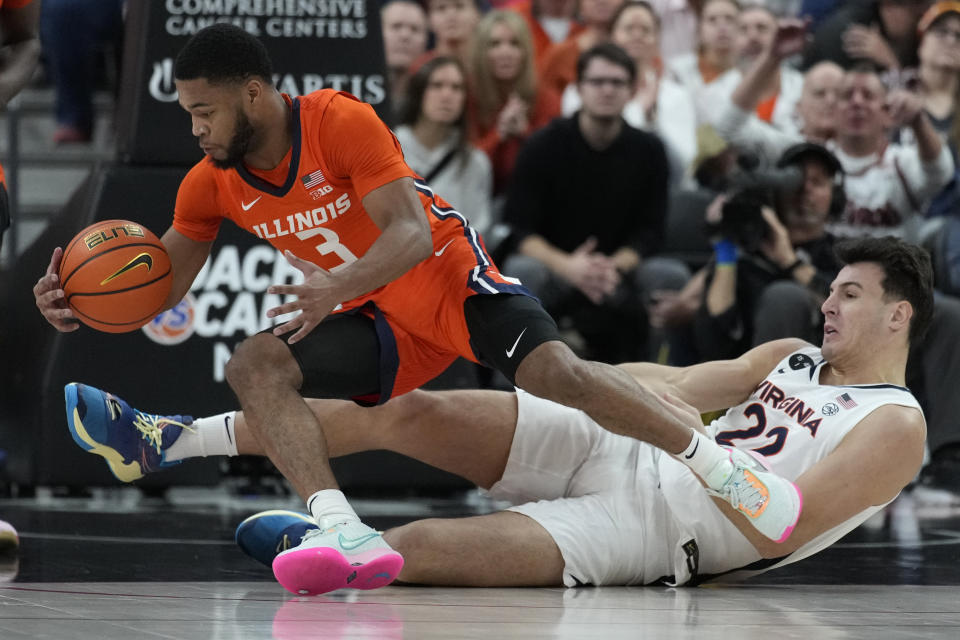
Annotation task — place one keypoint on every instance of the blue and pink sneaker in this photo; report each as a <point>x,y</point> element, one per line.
<point>132,442</point>
<point>265,535</point>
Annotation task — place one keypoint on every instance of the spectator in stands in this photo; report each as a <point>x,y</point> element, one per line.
<point>939,73</point>
<point>453,23</point>
<point>778,91</point>
<point>404,24</point>
<point>716,47</point>
<point>560,62</point>
<point>588,204</point>
<point>883,32</point>
<point>505,105</point>
<point>19,22</point>
<point>433,134</point>
<point>73,33</point>
<point>888,185</point>
<point>765,290</point>
<point>678,27</point>
<point>817,110</point>
<point>551,22</point>
<point>658,104</point>
<point>939,85</point>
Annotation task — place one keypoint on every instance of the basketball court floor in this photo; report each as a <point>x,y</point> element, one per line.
<point>118,565</point>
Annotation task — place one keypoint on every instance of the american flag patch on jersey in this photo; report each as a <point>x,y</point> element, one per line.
<point>313,179</point>
<point>846,401</point>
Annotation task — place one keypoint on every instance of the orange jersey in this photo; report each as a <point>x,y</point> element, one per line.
<point>341,151</point>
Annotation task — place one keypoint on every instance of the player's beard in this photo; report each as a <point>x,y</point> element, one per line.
<point>243,133</point>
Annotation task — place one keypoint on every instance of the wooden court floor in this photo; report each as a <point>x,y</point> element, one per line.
<point>119,567</point>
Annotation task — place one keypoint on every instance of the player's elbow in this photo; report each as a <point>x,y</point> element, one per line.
<point>771,550</point>
<point>422,241</point>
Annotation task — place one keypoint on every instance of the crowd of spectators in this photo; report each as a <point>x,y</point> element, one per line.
<point>792,123</point>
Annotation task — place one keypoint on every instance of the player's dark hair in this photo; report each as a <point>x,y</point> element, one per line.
<point>223,53</point>
<point>609,52</point>
<point>908,274</point>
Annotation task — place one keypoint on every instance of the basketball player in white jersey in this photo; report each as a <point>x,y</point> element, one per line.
<point>592,507</point>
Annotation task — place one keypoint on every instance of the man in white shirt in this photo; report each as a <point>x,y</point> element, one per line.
<point>778,90</point>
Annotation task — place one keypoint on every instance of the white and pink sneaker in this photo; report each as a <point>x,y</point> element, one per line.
<point>771,503</point>
<point>349,555</point>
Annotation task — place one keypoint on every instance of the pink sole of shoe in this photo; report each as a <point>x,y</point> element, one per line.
<point>322,569</point>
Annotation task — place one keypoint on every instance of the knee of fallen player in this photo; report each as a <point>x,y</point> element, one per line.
<point>261,361</point>
<point>417,544</point>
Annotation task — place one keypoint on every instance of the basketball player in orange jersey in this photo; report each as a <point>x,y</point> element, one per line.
<point>396,286</point>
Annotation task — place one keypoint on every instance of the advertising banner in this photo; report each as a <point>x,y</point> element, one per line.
<point>314,44</point>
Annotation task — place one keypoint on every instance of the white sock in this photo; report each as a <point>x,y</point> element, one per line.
<point>707,459</point>
<point>329,507</point>
<point>212,436</point>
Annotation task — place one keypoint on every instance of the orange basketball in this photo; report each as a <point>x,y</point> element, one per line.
<point>115,275</point>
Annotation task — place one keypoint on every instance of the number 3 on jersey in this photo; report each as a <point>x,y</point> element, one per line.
<point>331,244</point>
<point>756,411</point>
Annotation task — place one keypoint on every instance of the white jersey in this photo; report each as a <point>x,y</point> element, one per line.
<point>794,422</point>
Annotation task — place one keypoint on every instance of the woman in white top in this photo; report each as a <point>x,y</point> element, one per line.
<point>660,104</point>
<point>433,135</point>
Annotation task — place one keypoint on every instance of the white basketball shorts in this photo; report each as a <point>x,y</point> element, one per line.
<point>596,493</point>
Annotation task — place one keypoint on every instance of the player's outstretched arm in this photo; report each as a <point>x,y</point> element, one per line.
<point>878,458</point>
<point>186,259</point>
<point>719,384</point>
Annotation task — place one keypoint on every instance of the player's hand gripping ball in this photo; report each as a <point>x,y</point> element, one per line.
<point>115,275</point>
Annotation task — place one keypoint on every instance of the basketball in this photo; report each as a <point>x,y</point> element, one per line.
<point>115,276</point>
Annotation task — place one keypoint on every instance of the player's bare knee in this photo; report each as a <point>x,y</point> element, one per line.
<point>261,361</point>
<point>411,541</point>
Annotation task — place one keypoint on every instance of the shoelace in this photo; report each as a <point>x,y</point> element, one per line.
<point>151,428</point>
<point>310,533</point>
<point>744,493</point>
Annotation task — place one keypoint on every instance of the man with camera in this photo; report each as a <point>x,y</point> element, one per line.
<point>773,260</point>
